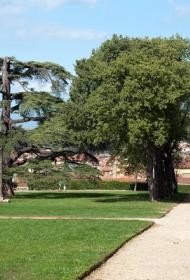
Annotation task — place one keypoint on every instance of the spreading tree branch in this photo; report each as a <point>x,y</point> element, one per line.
<point>42,154</point>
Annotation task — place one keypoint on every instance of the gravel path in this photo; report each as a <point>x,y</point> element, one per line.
<point>160,253</point>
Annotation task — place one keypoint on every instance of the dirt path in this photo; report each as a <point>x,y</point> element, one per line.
<point>161,253</point>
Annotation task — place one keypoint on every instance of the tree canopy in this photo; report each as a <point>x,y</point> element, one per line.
<point>133,95</point>
<point>28,103</point>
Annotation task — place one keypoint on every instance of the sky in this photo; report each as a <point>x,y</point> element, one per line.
<point>63,31</point>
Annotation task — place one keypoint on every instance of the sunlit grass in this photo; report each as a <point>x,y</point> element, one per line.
<point>85,204</point>
<point>44,250</point>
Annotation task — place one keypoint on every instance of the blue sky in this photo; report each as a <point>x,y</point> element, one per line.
<point>65,30</point>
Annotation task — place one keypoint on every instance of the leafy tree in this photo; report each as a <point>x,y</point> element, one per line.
<point>30,104</point>
<point>132,95</point>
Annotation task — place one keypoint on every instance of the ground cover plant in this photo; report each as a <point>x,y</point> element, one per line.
<point>58,249</point>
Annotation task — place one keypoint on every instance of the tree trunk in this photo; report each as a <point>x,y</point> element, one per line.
<point>136,181</point>
<point>6,99</point>
<point>8,188</point>
<point>1,174</point>
<point>158,170</point>
<point>157,174</point>
<point>5,119</point>
<point>161,176</point>
<point>170,173</point>
<point>151,174</point>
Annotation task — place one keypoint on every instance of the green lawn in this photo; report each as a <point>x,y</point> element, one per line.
<point>60,249</point>
<point>85,204</point>
<point>44,250</point>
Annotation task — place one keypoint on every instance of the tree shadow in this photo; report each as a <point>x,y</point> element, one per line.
<point>97,197</point>
<point>54,195</point>
<point>125,198</point>
<point>143,196</point>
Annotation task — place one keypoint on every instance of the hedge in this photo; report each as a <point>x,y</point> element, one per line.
<point>51,182</point>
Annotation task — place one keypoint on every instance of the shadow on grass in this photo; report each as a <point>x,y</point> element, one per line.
<point>143,197</point>
<point>99,197</point>
<point>53,195</point>
<point>124,198</point>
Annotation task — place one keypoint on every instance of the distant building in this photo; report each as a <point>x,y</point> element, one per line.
<point>111,168</point>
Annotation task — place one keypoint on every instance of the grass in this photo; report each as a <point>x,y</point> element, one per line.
<point>50,250</point>
<point>60,249</point>
<point>85,204</point>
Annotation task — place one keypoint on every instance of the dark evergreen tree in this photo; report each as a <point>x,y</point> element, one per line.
<point>29,104</point>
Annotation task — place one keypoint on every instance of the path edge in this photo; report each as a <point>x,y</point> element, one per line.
<point>182,200</point>
<point>111,254</point>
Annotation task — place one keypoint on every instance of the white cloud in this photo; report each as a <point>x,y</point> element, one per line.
<point>10,7</point>
<point>181,10</point>
<point>27,30</point>
<point>14,7</point>
<point>51,4</point>
<point>59,32</point>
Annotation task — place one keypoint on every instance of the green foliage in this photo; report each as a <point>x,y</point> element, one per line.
<point>75,177</point>
<point>42,103</point>
<point>41,71</point>
<point>40,182</point>
<point>84,170</point>
<point>37,165</point>
<point>44,182</point>
<point>14,140</point>
<point>132,92</point>
<point>29,101</point>
<point>53,132</point>
<point>45,176</point>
